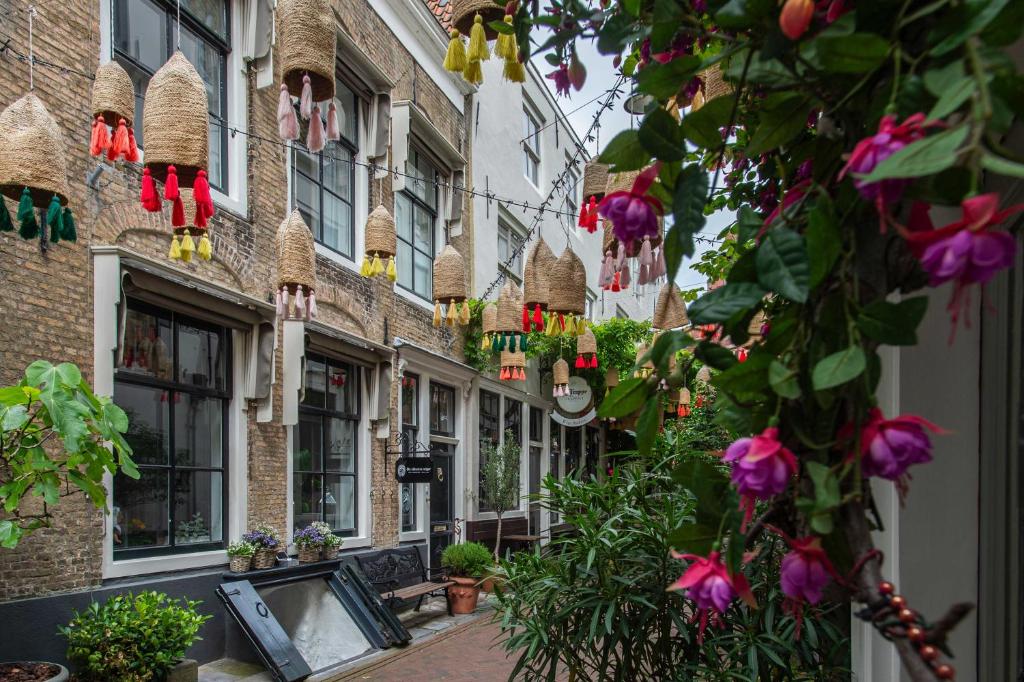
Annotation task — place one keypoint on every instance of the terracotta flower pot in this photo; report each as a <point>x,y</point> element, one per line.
<point>488,584</point>
<point>58,672</point>
<point>464,594</point>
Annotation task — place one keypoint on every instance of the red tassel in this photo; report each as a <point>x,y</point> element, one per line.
<point>616,287</point>
<point>149,198</point>
<point>171,184</point>
<point>177,212</point>
<point>504,376</point>
<point>133,148</point>
<point>593,361</point>
<point>592,216</point>
<point>100,141</point>
<point>741,355</point>
<point>561,321</point>
<point>679,411</point>
<point>538,318</point>
<point>580,362</point>
<point>119,145</point>
<point>204,202</point>
<point>584,220</point>
<point>526,319</point>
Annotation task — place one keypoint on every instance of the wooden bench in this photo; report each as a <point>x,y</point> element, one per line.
<point>399,576</point>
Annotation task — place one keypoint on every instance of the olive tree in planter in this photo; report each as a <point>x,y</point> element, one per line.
<point>500,484</point>
<point>57,439</point>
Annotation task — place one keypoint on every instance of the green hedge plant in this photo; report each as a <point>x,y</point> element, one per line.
<point>467,560</point>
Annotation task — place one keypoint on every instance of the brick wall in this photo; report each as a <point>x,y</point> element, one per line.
<point>46,299</point>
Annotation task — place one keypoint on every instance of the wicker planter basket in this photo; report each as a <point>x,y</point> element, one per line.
<point>464,11</point>
<point>449,276</point>
<point>308,46</point>
<point>176,121</point>
<point>264,558</point>
<point>240,564</point>
<point>570,296</point>
<point>32,153</point>
<point>586,344</point>
<point>595,180</point>
<point>380,233</point>
<point>535,275</point>
<point>296,254</point>
<point>309,555</point>
<point>510,309</point>
<point>611,378</point>
<point>670,311</point>
<point>560,372</point>
<point>113,94</point>
<point>489,319</point>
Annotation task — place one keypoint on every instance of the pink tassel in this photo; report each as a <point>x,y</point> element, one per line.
<point>311,311</point>
<point>333,129</point>
<point>287,123</point>
<point>306,100</point>
<point>624,280</point>
<point>315,140</point>
<point>645,253</point>
<point>607,270</point>
<point>659,269</point>
<point>300,303</point>
<point>620,256</point>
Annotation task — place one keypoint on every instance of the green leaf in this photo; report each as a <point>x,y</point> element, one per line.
<point>784,118</point>
<point>501,27</point>
<point>980,14</point>
<point>715,356</point>
<point>662,80</point>
<point>826,486</point>
<point>748,223</point>
<point>924,157</point>
<point>615,35</point>
<point>661,135</point>
<point>783,380</point>
<point>625,399</point>
<point>647,427</point>
<point>665,347</point>
<point>893,323</point>
<point>745,379</point>
<point>703,127</point>
<point>695,538</point>
<point>853,53</point>
<point>722,303</point>
<point>824,243</point>
<point>782,264</point>
<point>1002,166</point>
<point>116,416</point>
<point>625,153</point>
<point>10,533</point>
<point>838,368</point>
<point>69,374</point>
<point>13,418</point>
<point>688,217</point>
<point>952,98</point>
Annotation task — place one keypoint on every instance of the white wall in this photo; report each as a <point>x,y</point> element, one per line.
<point>498,167</point>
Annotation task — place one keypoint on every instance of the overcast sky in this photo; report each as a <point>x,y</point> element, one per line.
<point>600,78</point>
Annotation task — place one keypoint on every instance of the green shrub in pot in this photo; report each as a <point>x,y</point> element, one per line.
<point>467,560</point>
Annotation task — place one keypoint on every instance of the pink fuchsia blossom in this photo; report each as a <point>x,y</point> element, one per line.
<point>806,570</point>
<point>634,213</point>
<point>707,582</point>
<point>888,447</point>
<point>562,79</point>
<point>871,151</point>
<point>796,17</point>
<point>761,466</point>
<point>793,195</point>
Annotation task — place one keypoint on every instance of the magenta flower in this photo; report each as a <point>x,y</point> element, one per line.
<point>871,151</point>
<point>707,582</point>
<point>891,446</point>
<point>761,466</point>
<point>806,570</point>
<point>633,214</point>
<point>561,78</point>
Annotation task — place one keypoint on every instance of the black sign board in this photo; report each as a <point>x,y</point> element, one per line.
<point>414,469</point>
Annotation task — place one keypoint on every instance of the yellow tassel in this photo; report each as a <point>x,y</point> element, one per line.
<point>455,60</point>
<point>478,42</point>
<point>581,327</point>
<point>473,73</point>
<point>485,342</point>
<point>552,329</point>
<point>464,314</point>
<point>570,325</point>
<point>378,265</point>
<point>437,313</point>
<point>452,313</point>
<point>175,252</point>
<point>514,71</point>
<point>392,270</point>
<point>205,250</point>
<point>366,270</point>
<point>188,247</point>
<point>506,47</point>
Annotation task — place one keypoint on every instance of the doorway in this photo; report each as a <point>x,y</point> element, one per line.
<point>441,525</point>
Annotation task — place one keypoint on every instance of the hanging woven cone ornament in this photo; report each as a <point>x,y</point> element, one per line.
<point>560,375</point>
<point>509,335</point>
<point>670,311</point>
<point>611,379</point>
<point>595,180</point>
<point>450,287</point>
<point>704,375</point>
<point>644,368</point>
<point>488,325</point>
<point>586,351</point>
<point>381,245</point>
<point>176,126</point>
<point>567,301</point>
<point>33,172</point>
<point>113,104</point>
<point>308,53</point>
<point>472,18</point>
<point>296,269</point>
<point>513,366</point>
<point>536,285</point>
<point>615,273</point>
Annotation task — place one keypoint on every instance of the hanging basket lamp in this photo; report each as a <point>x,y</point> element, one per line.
<point>586,351</point>
<point>568,300</point>
<point>513,366</point>
<point>644,368</point>
<point>670,311</point>
<point>176,126</point>
<point>611,379</point>
<point>33,171</point>
<point>296,269</point>
<point>450,287</point>
<point>308,54</point>
<point>380,245</point>
<point>595,180</point>
<point>615,271</point>
<point>536,293</point>
<point>113,104</point>
<point>473,18</point>
<point>560,377</point>
<point>713,85</point>
<point>509,335</point>
<point>488,325</point>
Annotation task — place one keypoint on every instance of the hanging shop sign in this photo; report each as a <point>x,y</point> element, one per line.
<point>573,422</point>
<point>575,404</point>
<point>414,469</point>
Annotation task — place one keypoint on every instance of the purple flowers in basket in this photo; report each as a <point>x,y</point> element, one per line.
<point>262,537</point>
<point>310,537</point>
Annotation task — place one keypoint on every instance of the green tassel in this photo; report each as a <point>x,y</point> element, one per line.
<point>522,342</point>
<point>5,217</point>
<point>27,216</point>
<point>69,234</point>
<point>512,343</point>
<point>500,345</point>
<point>54,220</point>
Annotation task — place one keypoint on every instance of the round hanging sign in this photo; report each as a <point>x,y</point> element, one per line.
<point>578,398</point>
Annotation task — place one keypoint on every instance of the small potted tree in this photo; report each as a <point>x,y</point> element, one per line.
<point>466,563</point>
<point>310,542</point>
<point>241,554</point>
<point>266,541</point>
<point>500,486</point>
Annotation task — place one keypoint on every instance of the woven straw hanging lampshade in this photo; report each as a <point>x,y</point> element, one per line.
<point>176,126</point>
<point>560,378</point>
<point>568,300</point>
<point>308,49</point>
<point>670,311</point>
<point>513,366</point>
<point>488,325</point>
<point>113,104</point>
<point>473,18</point>
<point>712,85</point>
<point>381,245</point>
<point>296,269</point>
<point>643,368</point>
<point>450,287</point>
<point>611,379</point>
<point>615,272</point>
<point>586,351</point>
<point>33,171</point>
<point>595,180</point>
<point>508,328</point>
<point>464,13</point>
<point>535,285</point>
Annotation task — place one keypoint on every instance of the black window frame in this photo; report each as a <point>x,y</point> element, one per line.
<point>325,414</point>
<point>487,397</point>
<point>450,391</point>
<point>419,204</point>
<point>411,436</point>
<point>221,43</point>
<point>174,387</point>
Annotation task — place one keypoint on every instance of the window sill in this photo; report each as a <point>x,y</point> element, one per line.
<point>161,564</point>
<point>226,203</point>
<point>414,298</point>
<point>337,258</point>
<point>417,536</point>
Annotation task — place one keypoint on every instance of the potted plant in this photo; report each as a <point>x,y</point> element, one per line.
<point>134,637</point>
<point>466,563</point>
<point>241,554</point>
<point>332,542</point>
<point>309,541</point>
<point>33,671</point>
<point>266,540</point>
<point>500,487</point>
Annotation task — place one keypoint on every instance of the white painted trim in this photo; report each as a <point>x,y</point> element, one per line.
<point>238,441</point>
<point>161,564</point>
<point>106,297</point>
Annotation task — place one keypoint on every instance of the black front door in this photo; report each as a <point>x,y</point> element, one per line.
<point>440,505</point>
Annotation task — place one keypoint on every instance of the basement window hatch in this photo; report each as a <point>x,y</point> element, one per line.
<point>301,625</point>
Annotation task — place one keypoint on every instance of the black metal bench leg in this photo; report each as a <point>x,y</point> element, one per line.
<point>448,601</point>
<point>419,603</point>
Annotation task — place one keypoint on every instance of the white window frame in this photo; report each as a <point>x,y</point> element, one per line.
<point>524,459</point>
<point>532,157</point>
<point>572,194</point>
<point>514,235</point>
<point>591,304</point>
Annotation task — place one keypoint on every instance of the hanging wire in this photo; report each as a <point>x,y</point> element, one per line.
<point>31,58</point>
<point>177,37</point>
<point>564,117</point>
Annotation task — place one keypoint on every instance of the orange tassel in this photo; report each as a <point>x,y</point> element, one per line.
<point>133,148</point>
<point>100,141</point>
<point>119,145</point>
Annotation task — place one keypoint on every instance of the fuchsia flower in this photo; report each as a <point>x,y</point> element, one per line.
<point>888,447</point>
<point>796,18</point>
<point>806,570</point>
<point>761,466</point>
<point>633,214</point>
<point>871,151</point>
<point>561,78</point>
<point>707,582</point>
